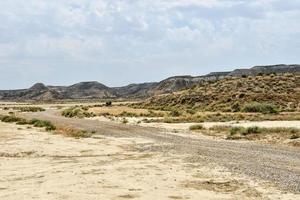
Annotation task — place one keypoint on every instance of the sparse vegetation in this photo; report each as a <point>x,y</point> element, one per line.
<point>25,109</point>
<point>253,133</point>
<point>225,117</point>
<point>196,127</point>
<point>108,103</point>
<point>124,121</point>
<point>264,108</point>
<point>41,123</point>
<point>175,113</point>
<point>35,122</point>
<point>275,94</point>
<point>71,132</point>
<point>77,111</point>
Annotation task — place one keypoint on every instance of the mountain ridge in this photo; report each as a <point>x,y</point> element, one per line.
<point>96,90</point>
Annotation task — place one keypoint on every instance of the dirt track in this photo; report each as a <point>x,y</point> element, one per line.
<point>277,165</point>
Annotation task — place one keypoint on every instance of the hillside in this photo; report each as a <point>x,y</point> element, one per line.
<point>96,90</point>
<point>232,93</point>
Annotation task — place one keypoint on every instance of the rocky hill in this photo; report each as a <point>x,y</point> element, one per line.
<point>96,90</point>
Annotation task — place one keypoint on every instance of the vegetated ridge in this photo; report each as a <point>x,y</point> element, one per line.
<point>235,94</point>
<point>96,90</point>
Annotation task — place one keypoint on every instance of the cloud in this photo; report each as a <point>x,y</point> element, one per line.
<point>95,39</point>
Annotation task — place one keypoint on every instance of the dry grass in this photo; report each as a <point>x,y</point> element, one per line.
<point>232,94</point>
<point>117,110</point>
<point>271,135</point>
<point>225,117</point>
<point>71,132</point>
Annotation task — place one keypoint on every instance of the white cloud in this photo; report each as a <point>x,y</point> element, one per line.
<point>138,34</point>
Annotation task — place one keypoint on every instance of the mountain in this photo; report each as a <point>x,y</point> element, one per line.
<point>96,90</point>
<point>37,92</point>
<point>256,70</point>
<point>88,90</point>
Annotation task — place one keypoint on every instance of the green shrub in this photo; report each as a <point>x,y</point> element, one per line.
<point>252,130</point>
<point>196,127</point>
<point>35,122</point>
<point>264,108</point>
<point>76,111</point>
<point>245,131</point>
<point>41,123</point>
<point>235,130</point>
<point>10,119</point>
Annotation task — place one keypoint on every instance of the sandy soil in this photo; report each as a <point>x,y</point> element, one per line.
<point>39,165</point>
<point>116,110</point>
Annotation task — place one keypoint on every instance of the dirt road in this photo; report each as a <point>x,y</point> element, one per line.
<point>280,166</point>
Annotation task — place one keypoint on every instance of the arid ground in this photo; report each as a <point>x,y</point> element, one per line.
<point>126,161</point>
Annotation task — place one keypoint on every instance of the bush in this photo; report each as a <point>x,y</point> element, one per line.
<point>175,113</point>
<point>252,130</point>
<point>236,107</point>
<point>245,131</point>
<point>70,132</point>
<point>190,111</point>
<point>127,114</point>
<point>235,130</point>
<point>264,108</point>
<point>124,121</point>
<point>41,123</point>
<point>10,119</point>
<point>79,112</point>
<point>108,103</point>
<point>30,109</point>
<point>35,122</point>
<point>196,127</point>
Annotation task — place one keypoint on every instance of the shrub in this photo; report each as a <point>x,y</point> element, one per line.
<point>127,114</point>
<point>264,108</point>
<point>70,132</point>
<point>10,119</point>
<point>35,122</point>
<point>79,112</point>
<point>108,103</point>
<point>124,121</point>
<point>235,130</point>
<point>293,137</point>
<point>245,131</point>
<point>191,111</point>
<point>196,127</point>
<point>236,107</point>
<point>175,113</point>
<point>41,123</point>
<point>252,130</point>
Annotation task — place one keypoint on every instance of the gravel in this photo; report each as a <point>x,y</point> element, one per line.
<point>280,165</point>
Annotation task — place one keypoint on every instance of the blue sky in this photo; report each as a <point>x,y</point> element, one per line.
<point>117,42</point>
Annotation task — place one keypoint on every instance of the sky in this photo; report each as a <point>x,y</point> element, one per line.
<point>117,42</point>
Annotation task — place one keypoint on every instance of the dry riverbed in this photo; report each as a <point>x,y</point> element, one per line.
<point>39,165</point>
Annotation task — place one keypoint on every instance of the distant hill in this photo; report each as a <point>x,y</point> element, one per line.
<point>233,93</point>
<point>96,90</point>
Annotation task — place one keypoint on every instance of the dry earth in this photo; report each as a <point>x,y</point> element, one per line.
<point>279,165</point>
<point>39,165</point>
